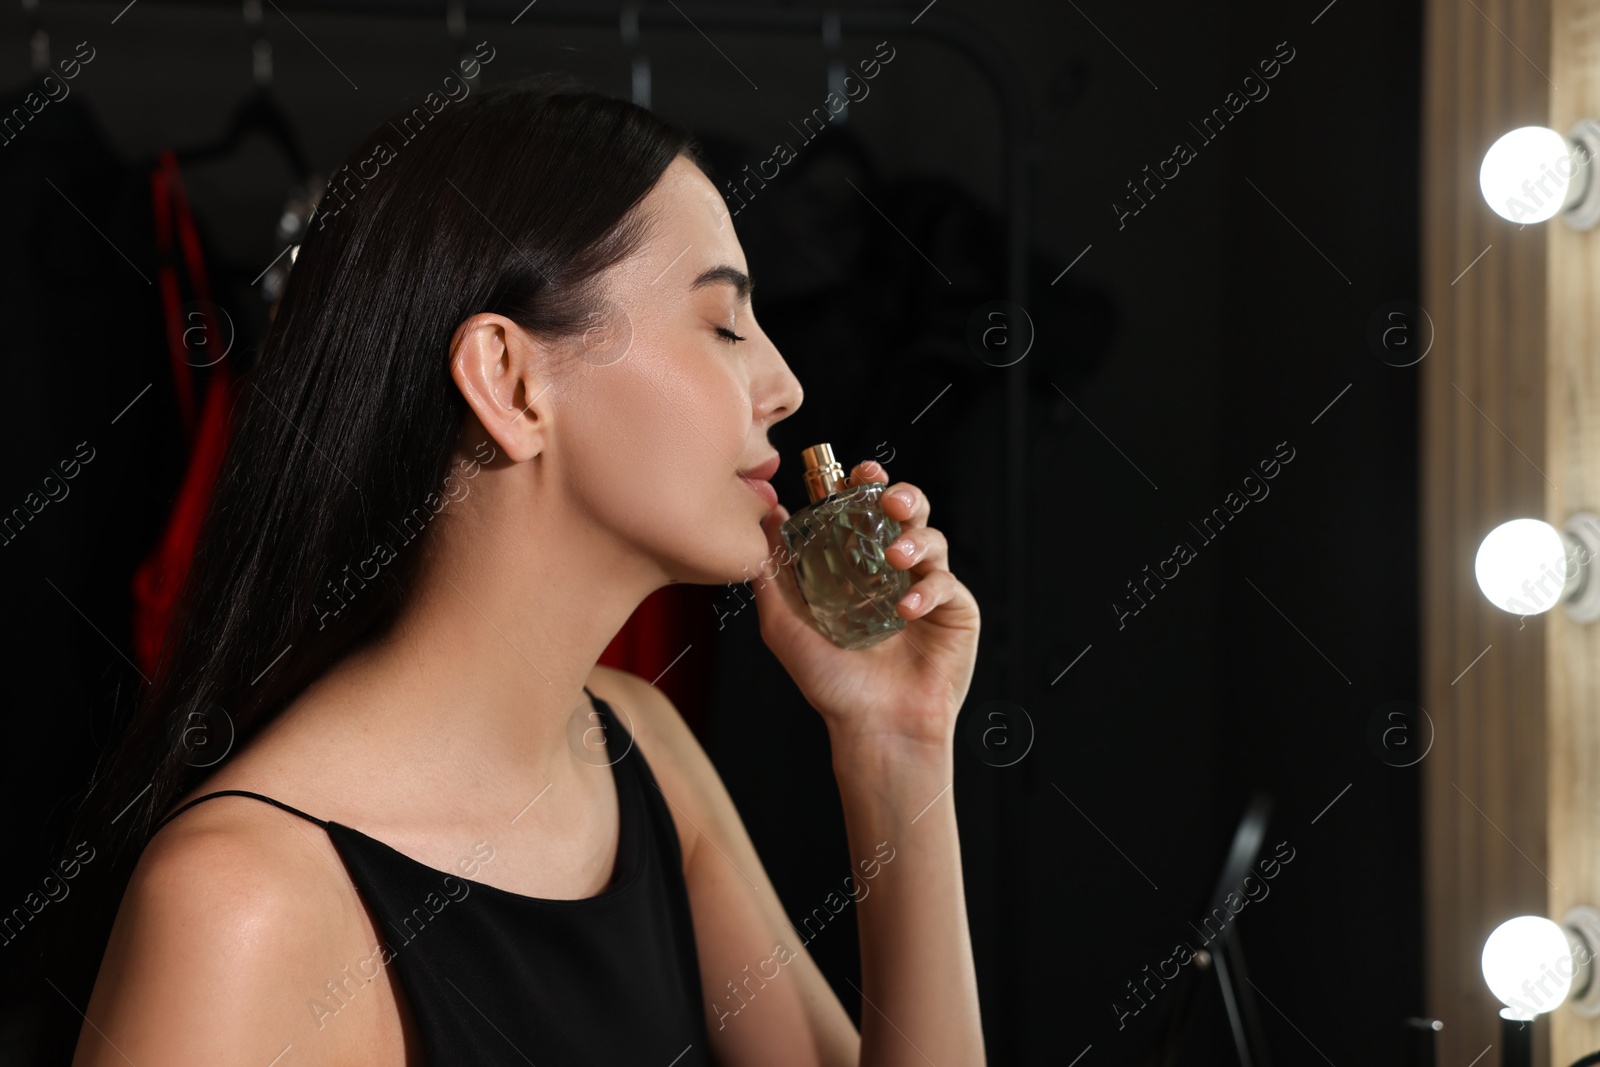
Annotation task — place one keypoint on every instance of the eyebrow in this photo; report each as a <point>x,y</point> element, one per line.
<point>742,284</point>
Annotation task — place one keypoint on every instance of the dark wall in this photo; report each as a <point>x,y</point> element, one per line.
<point>1223,325</point>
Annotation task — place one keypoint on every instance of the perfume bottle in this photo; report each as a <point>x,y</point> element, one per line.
<point>836,543</point>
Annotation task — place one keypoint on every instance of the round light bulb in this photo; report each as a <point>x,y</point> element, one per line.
<point>1523,962</point>
<point>1522,566</point>
<point>1525,174</point>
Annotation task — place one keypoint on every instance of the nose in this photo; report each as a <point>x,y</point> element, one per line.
<point>780,394</point>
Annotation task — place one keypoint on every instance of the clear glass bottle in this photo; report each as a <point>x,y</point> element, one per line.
<point>837,544</point>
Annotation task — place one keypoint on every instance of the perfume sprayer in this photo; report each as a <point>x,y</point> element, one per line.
<point>836,543</point>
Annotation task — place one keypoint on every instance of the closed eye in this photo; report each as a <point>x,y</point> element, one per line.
<point>728,335</point>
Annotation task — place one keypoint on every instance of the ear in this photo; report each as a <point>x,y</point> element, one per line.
<point>499,369</point>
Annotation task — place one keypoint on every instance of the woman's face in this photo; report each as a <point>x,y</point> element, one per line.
<point>662,408</point>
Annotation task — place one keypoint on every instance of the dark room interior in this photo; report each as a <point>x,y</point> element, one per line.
<point>1170,312</point>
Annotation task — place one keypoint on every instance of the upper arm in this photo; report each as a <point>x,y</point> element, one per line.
<point>216,947</point>
<point>766,1001</point>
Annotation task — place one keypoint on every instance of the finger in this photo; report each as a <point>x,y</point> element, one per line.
<point>906,504</point>
<point>934,590</point>
<point>922,547</point>
<point>868,470</point>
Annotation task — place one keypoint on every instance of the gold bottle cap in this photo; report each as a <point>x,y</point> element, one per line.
<point>824,475</point>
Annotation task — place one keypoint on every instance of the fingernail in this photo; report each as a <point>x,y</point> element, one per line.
<point>911,601</point>
<point>906,546</point>
<point>904,497</point>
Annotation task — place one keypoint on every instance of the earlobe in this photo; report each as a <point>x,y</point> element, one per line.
<point>490,364</point>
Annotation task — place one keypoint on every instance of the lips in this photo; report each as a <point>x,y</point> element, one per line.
<point>757,479</point>
<point>763,490</point>
<point>764,472</point>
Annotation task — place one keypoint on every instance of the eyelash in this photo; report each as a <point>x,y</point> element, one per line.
<point>728,335</point>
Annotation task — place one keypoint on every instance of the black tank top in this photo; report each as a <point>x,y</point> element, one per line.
<point>493,977</point>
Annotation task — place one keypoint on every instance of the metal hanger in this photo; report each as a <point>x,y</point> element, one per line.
<point>261,113</point>
<point>640,59</point>
<point>831,35</point>
<point>258,113</point>
<point>461,58</point>
<point>38,39</point>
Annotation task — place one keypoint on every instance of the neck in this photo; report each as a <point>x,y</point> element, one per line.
<point>481,678</point>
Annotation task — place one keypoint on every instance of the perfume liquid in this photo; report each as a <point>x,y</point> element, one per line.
<point>837,544</point>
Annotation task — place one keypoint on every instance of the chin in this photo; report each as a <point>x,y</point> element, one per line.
<point>738,554</point>
<point>754,558</point>
<point>751,558</point>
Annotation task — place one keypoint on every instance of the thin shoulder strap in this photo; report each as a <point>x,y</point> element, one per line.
<point>591,694</point>
<point>238,793</point>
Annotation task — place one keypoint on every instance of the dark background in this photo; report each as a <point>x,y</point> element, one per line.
<point>1231,314</point>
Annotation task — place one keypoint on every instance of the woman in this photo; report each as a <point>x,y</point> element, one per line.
<point>510,390</point>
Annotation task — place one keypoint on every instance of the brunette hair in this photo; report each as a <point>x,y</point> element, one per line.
<point>511,199</point>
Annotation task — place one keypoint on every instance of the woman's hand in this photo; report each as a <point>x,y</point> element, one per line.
<point>910,685</point>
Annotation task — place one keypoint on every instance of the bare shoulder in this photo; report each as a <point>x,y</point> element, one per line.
<point>238,856</point>
<point>681,767</point>
<point>655,721</point>
<point>228,924</point>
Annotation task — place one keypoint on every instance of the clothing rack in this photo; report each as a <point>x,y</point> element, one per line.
<point>1018,155</point>
<point>1014,789</point>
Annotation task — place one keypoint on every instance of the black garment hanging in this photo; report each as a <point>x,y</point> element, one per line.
<point>84,492</point>
<point>612,978</point>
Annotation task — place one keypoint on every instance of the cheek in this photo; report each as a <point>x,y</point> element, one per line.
<point>666,448</point>
<point>694,416</point>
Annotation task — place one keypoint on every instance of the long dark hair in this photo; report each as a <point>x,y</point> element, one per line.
<point>511,200</point>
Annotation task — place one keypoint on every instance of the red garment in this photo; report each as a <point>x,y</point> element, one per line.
<point>158,578</point>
